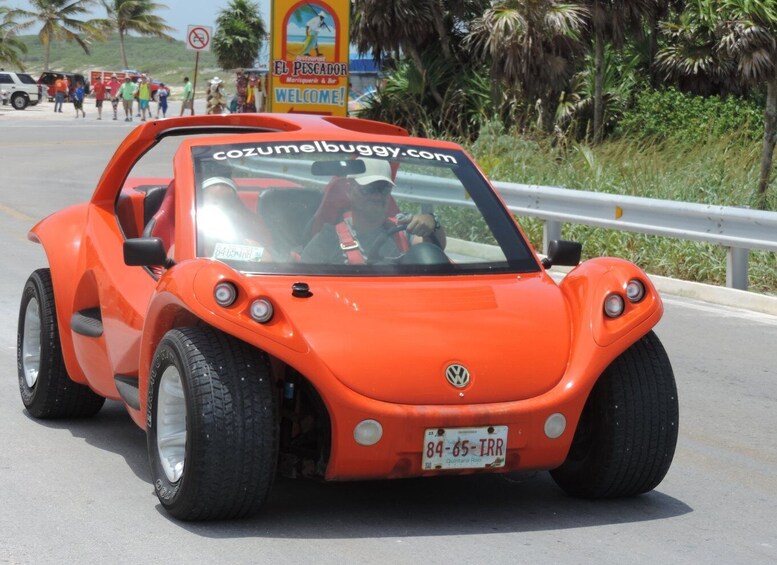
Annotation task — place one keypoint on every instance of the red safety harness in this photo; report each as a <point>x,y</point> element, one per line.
<point>354,254</point>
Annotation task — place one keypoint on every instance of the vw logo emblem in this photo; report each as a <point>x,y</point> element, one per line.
<point>457,375</point>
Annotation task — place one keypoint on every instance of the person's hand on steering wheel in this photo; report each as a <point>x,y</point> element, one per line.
<point>422,225</point>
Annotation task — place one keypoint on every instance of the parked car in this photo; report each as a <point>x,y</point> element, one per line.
<point>434,343</point>
<point>48,78</point>
<point>18,89</point>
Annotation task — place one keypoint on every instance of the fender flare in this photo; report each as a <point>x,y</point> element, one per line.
<point>61,235</point>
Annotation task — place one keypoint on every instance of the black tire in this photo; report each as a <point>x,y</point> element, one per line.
<point>626,437</point>
<point>47,390</point>
<point>230,420</point>
<point>19,101</point>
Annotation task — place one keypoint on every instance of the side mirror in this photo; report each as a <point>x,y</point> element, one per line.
<point>564,253</point>
<point>146,252</point>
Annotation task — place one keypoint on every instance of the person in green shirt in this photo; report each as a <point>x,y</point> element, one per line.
<point>144,96</point>
<point>188,96</point>
<point>127,95</point>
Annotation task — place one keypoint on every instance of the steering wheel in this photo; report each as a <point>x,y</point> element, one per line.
<point>423,253</point>
<point>373,253</point>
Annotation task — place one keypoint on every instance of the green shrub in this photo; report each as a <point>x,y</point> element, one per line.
<point>670,114</point>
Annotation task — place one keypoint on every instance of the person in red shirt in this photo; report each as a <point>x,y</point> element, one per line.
<point>99,95</point>
<point>60,92</point>
<point>113,87</point>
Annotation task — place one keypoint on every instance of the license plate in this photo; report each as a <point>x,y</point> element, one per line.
<point>464,448</point>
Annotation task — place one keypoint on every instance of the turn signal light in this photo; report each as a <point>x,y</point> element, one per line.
<point>635,290</point>
<point>261,310</point>
<point>225,294</point>
<point>614,305</point>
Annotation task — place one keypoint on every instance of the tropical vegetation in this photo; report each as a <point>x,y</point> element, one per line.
<point>59,20</point>
<point>239,34</point>
<point>570,72</point>
<point>133,16</point>
<point>11,47</point>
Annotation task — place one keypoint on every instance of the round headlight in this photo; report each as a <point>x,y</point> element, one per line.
<point>261,310</point>
<point>613,305</point>
<point>635,290</point>
<point>225,294</point>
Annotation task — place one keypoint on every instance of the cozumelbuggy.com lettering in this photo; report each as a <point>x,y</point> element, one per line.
<point>360,149</point>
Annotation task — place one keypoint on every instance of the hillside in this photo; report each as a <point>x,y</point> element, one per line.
<point>162,60</point>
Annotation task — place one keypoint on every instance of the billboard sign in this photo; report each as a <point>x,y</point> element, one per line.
<point>309,57</point>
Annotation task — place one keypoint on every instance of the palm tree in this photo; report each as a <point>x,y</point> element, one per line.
<point>732,42</point>
<point>532,46</point>
<point>391,27</point>
<point>748,29</point>
<point>659,11</point>
<point>59,19</point>
<point>137,16</point>
<point>240,31</point>
<point>691,58</point>
<point>10,47</point>
<point>611,20</point>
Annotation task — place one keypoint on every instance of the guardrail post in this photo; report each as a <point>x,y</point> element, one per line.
<point>736,267</point>
<point>550,231</point>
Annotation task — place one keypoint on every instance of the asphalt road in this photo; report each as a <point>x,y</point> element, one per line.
<point>79,492</point>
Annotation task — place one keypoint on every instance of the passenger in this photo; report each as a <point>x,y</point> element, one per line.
<point>223,218</point>
<point>354,238</point>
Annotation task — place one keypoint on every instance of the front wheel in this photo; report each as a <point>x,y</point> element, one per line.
<point>47,390</point>
<point>212,425</point>
<point>626,437</point>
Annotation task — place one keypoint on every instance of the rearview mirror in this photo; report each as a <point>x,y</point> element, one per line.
<point>337,168</point>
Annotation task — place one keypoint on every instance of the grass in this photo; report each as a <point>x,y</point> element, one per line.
<point>719,171</point>
<point>162,60</point>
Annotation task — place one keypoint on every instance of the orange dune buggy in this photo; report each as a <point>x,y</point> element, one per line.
<point>329,297</point>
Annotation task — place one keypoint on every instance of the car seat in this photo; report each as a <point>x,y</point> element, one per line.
<point>286,213</point>
<point>162,223</point>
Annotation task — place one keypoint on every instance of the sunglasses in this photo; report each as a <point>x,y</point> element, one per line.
<point>378,187</point>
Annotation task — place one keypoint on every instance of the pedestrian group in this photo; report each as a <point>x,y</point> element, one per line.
<point>124,93</point>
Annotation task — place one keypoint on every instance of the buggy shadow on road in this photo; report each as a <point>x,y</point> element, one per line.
<point>465,505</point>
<point>441,506</point>
<point>111,430</point>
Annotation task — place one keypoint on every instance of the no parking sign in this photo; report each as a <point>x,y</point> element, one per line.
<point>198,38</point>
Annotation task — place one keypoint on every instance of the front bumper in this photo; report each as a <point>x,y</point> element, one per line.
<point>399,454</point>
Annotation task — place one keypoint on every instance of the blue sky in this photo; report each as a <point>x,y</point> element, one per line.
<point>178,14</point>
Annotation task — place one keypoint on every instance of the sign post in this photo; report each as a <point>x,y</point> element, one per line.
<point>198,38</point>
<point>309,57</point>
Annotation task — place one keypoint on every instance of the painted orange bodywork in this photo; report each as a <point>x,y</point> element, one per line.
<point>534,347</point>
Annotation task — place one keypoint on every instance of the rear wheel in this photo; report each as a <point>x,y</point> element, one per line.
<point>626,437</point>
<point>47,390</point>
<point>213,425</point>
<point>19,101</point>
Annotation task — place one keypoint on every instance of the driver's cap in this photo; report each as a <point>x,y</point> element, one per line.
<point>375,170</point>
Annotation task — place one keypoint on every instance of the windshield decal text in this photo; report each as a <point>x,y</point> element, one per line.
<point>360,149</point>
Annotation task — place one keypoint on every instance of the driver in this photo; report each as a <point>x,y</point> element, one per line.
<point>367,223</point>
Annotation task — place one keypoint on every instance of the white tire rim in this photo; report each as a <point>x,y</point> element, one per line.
<point>171,424</point>
<point>31,347</point>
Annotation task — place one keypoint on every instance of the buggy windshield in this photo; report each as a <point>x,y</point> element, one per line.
<point>338,207</point>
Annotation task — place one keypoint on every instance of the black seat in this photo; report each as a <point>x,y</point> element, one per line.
<point>152,201</point>
<point>286,212</point>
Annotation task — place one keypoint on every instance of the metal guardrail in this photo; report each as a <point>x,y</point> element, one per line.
<point>737,229</point>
